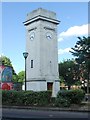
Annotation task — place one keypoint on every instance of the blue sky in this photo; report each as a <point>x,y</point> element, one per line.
<point>73,17</point>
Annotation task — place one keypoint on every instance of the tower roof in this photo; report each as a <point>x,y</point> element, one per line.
<point>41,14</point>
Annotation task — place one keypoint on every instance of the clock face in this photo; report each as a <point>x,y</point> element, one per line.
<point>49,36</point>
<point>32,35</point>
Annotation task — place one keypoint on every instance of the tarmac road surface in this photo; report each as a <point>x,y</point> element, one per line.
<point>8,114</point>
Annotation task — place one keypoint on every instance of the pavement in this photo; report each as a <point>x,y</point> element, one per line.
<point>83,108</point>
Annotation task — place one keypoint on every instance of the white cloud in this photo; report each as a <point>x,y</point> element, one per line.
<point>63,51</point>
<point>74,31</point>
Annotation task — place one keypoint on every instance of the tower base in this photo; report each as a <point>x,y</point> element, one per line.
<point>38,85</point>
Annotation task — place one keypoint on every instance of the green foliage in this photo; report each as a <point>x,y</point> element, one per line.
<point>82,52</point>
<point>69,72</point>
<point>62,79</point>
<point>43,98</point>
<point>67,97</point>
<point>11,97</point>
<point>21,76</point>
<point>62,102</point>
<point>26,98</point>
<point>76,96</point>
<point>5,61</point>
<point>82,49</point>
<point>78,83</point>
<point>15,78</point>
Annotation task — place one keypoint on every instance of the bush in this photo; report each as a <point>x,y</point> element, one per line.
<point>43,98</point>
<point>37,98</point>
<point>67,97</point>
<point>26,98</point>
<point>62,99</point>
<point>62,102</point>
<point>76,96</point>
<point>11,97</point>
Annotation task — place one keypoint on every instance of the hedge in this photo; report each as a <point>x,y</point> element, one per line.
<point>43,98</point>
<point>67,97</point>
<point>26,98</point>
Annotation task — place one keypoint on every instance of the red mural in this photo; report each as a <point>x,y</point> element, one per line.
<point>7,86</point>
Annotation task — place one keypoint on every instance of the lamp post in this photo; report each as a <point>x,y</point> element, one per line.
<point>25,54</point>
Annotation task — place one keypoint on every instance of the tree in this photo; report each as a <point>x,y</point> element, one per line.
<point>82,53</point>
<point>5,61</point>
<point>69,71</point>
<point>15,78</point>
<point>21,76</point>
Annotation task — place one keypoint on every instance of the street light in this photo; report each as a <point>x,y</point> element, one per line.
<point>25,54</point>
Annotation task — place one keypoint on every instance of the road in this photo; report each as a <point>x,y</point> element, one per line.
<point>30,114</point>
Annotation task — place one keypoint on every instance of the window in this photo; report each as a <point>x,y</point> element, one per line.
<point>31,63</point>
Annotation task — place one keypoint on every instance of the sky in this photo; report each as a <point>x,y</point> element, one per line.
<point>74,23</point>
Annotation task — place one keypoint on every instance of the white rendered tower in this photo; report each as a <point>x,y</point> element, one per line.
<point>41,44</point>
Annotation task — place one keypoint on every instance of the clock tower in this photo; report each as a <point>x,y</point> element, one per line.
<point>41,44</point>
